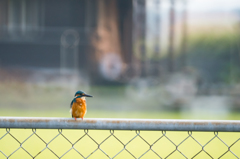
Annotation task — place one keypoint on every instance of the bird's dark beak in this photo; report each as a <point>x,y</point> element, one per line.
<point>87,95</point>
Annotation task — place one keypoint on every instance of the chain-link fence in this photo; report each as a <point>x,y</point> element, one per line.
<point>66,138</point>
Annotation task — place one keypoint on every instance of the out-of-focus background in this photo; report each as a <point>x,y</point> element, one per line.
<point>138,58</point>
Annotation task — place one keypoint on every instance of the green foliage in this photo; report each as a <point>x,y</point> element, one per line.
<point>215,56</point>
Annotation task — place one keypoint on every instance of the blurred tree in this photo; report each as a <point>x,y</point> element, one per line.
<point>111,45</point>
<point>171,36</point>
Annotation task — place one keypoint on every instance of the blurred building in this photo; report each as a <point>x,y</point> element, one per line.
<point>72,34</point>
<point>119,40</point>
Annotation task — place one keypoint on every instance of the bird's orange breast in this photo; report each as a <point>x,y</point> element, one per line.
<point>79,108</point>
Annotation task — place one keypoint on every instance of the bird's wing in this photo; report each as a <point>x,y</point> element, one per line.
<point>71,103</point>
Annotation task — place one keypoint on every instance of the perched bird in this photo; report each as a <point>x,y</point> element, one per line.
<point>78,105</point>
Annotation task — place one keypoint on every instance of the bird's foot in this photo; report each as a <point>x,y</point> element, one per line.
<point>82,118</point>
<point>75,118</point>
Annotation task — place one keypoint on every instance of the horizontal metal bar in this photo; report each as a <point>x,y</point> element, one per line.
<point>121,124</point>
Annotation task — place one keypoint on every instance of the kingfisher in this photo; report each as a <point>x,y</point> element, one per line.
<point>78,105</point>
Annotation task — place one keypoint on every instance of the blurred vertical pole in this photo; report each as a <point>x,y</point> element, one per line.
<point>157,38</point>
<point>171,36</point>
<point>91,12</point>
<point>140,32</point>
<point>142,18</point>
<point>3,17</point>
<point>184,35</point>
<point>23,17</point>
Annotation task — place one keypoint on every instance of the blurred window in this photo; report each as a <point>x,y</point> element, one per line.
<point>25,17</point>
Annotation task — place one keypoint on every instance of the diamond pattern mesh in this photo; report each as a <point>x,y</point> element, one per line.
<point>53,143</point>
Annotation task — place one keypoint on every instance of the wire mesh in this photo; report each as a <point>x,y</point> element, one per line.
<point>63,143</point>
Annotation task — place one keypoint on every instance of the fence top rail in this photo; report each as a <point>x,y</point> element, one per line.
<point>120,124</point>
